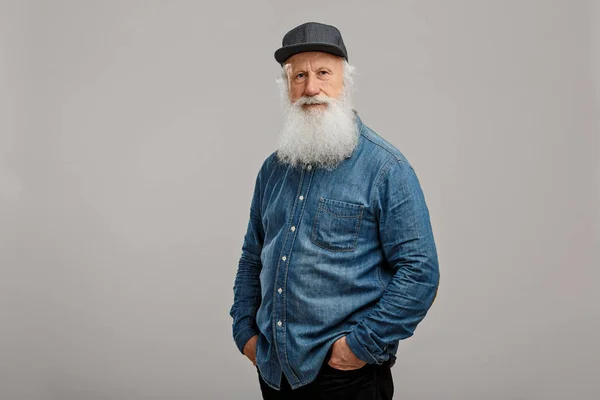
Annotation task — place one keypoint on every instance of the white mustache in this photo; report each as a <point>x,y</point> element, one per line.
<point>318,99</point>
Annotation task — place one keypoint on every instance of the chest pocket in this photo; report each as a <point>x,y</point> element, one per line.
<point>336,225</point>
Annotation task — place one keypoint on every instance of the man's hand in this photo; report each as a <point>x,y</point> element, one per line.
<point>250,349</point>
<point>343,358</point>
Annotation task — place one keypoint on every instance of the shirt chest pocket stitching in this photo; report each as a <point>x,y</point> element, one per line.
<point>336,225</point>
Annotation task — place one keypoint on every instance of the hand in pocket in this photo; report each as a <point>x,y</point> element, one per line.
<point>343,358</point>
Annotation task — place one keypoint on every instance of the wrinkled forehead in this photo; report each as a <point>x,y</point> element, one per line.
<point>312,60</point>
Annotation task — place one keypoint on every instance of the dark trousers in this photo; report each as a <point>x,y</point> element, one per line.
<point>372,382</point>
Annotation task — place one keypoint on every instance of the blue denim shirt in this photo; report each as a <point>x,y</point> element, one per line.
<point>348,252</point>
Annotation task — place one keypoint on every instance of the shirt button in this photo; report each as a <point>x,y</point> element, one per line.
<point>309,167</point>
<point>279,323</point>
<point>301,197</point>
<point>293,228</point>
<point>284,258</point>
<point>279,290</point>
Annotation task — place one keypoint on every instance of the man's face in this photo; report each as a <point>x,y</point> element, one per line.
<point>314,73</point>
<point>319,125</point>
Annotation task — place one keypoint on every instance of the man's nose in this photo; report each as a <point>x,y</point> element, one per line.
<point>312,87</point>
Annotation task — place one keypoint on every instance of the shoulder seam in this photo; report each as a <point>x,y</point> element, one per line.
<point>382,147</point>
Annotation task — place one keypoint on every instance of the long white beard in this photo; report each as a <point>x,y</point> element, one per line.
<point>322,138</point>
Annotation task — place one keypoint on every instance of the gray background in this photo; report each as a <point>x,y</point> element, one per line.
<point>130,136</point>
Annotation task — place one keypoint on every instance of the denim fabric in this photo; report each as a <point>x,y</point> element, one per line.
<point>348,252</point>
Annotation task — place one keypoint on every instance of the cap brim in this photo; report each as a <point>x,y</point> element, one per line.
<point>286,52</point>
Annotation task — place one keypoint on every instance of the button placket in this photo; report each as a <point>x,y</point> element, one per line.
<point>279,310</point>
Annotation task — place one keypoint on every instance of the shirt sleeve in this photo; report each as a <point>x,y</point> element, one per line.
<point>246,288</point>
<point>409,248</point>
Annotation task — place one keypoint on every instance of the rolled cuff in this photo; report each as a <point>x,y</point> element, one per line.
<point>242,337</point>
<point>360,351</point>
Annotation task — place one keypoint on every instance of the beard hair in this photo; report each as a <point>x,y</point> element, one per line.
<point>321,137</point>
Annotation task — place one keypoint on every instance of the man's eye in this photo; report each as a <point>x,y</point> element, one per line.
<point>300,75</point>
<point>323,72</point>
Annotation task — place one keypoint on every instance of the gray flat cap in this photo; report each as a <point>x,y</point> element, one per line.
<point>311,36</point>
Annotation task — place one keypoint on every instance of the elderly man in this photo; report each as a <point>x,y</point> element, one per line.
<point>338,262</point>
